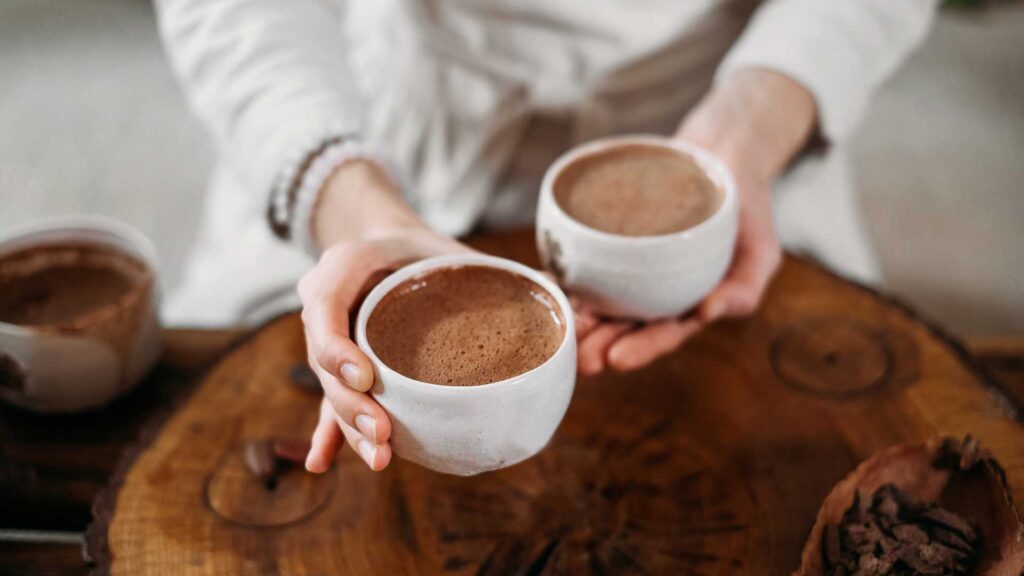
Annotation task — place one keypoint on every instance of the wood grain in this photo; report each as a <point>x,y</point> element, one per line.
<point>714,460</point>
<point>52,466</point>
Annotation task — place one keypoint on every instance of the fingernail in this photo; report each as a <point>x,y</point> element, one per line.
<point>367,426</point>
<point>311,463</point>
<point>350,375</point>
<point>368,450</point>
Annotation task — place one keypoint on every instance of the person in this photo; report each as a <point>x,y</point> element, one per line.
<point>371,134</point>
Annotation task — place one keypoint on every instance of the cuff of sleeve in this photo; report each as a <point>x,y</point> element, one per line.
<point>266,159</point>
<point>811,54</point>
<point>310,186</point>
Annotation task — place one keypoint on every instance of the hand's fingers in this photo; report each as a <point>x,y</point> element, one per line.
<point>376,456</point>
<point>643,346</point>
<point>332,350</point>
<point>329,294</point>
<point>586,318</point>
<point>331,291</point>
<point>592,349</point>
<point>585,324</point>
<point>353,368</point>
<point>356,409</point>
<point>741,291</point>
<point>326,441</point>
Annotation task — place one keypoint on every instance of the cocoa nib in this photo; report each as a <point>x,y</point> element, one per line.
<point>886,534</point>
<point>946,520</point>
<point>957,455</point>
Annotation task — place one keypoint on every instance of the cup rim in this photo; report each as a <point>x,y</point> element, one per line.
<point>40,231</point>
<point>71,223</point>
<point>436,262</point>
<point>708,161</point>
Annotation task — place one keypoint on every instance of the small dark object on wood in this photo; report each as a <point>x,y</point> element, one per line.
<point>266,458</point>
<point>302,377</point>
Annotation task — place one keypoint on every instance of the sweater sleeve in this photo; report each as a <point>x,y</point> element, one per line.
<point>840,50</point>
<point>269,80</point>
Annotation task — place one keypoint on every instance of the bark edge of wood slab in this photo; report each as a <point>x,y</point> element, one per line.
<point>709,460</point>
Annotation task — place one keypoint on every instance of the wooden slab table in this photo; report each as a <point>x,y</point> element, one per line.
<point>712,461</point>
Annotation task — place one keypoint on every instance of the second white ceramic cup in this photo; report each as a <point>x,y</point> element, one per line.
<point>638,277</point>
<point>467,430</point>
<point>73,370</point>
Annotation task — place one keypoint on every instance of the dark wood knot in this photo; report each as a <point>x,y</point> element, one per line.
<point>832,357</point>
<point>302,377</point>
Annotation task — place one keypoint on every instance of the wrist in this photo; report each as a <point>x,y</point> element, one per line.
<point>360,201</point>
<point>757,120</point>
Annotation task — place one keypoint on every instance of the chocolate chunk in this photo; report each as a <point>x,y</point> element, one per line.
<point>936,554</point>
<point>911,557</point>
<point>868,564</point>
<point>962,455</point>
<point>885,534</point>
<point>946,519</point>
<point>886,562</point>
<point>866,537</point>
<point>910,533</point>
<point>889,546</point>
<point>888,503</point>
<point>951,539</point>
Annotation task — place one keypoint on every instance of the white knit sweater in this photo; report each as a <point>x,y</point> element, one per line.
<point>469,101</point>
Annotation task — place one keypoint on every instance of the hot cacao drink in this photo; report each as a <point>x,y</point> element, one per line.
<point>465,326</point>
<point>63,285</point>
<point>637,190</point>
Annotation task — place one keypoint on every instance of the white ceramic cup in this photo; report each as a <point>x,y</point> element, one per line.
<point>467,430</point>
<point>70,370</point>
<point>638,277</point>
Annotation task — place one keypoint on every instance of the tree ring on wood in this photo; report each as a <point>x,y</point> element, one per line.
<point>832,357</point>
<point>237,495</point>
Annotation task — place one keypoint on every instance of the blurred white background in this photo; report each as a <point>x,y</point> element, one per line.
<point>91,121</point>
